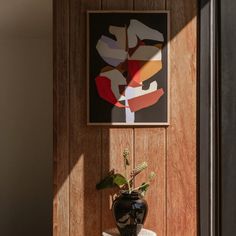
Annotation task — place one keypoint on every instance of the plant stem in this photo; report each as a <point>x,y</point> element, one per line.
<point>129,187</point>
<point>128,181</point>
<point>141,186</point>
<point>126,163</point>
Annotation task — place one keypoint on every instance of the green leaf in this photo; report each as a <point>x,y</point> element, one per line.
<point>144,187</point>
<point>111,180</point>
<point>107,182</point>
<point>119,180</point>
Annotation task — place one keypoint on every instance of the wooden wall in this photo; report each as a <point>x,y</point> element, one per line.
<point>82,155</point>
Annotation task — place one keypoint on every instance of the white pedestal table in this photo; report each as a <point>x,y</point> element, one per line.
<point>115,232</point>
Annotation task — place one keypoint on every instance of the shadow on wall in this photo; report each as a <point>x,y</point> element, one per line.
<point>26,136</point>
<point>84,143</point>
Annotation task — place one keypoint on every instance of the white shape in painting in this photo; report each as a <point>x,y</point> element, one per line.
<point>139,91</point>
<point>106,51</point>
<point>120,34</point>
<point>136,28</point>
<point>132,38</point>
<point>129,115</point>
<point>122,98</point>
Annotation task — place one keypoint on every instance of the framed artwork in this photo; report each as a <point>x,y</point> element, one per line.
<point>127,68</point>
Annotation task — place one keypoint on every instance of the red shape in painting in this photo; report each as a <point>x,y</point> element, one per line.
<point>105,92</point>
<point>146,100</point>
<point>134,73</point>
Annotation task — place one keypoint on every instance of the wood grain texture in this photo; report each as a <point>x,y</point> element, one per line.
<point>114,139</point>
<point>149,5</point>
<point>117,5</point>
<point>181,134</point>
<point>61,118</point>
<point>150,146</point>
<point>85,142</point>
<point>85,154</point>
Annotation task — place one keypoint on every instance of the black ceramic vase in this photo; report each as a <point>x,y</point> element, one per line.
<point>129,211</point>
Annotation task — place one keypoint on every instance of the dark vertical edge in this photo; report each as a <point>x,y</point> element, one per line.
<point>209,118</point>
<point>227,58</point>
<point>102,134</point>
<point>215,103</point>
<point>166,134</point>
<point>203,110</point>
<point>217,115</point>
<point>69,104</point>
<point>218,96</point>
<point>60,106</point>
<point>101,174</point>
<point>133,141</point>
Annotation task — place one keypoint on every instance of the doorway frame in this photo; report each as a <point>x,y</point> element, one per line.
<point>208,119</point>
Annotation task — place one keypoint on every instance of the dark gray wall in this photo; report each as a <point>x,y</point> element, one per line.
<point>25,118</point>
<point>228,117</point>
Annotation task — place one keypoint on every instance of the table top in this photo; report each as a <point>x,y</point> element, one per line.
<point>115,232</point>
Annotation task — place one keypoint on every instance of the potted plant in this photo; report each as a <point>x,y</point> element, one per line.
<point>129,207</point>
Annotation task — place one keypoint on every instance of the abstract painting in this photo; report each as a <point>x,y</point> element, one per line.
<point>127,65</point>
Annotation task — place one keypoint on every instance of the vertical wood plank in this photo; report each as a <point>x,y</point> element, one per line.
<point>117,4</point>
<point>181,134</point>
<point>85,142</point>
<point>61,118</point>
<point>114,139</point>
<point>150,146</point>
<point>149,5</point>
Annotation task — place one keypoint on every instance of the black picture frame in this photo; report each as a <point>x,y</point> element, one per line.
<point>100,111</point>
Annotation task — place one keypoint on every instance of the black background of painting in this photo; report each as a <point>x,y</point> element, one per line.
<point>100,111</point>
